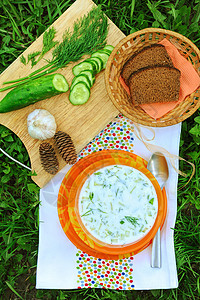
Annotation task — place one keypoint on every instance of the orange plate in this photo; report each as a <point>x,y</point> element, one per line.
<point>68,200</point>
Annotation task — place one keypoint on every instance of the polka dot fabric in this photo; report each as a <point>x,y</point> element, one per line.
<point>117,135</point>
<point>99,273</point>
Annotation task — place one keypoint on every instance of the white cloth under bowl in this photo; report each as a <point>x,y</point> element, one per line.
<point>62,266</point>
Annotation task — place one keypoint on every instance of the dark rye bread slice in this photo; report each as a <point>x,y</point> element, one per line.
<point>158,84</point>
<point>155,54</point>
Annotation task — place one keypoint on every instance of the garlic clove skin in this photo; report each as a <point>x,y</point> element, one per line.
<point>41,124</point>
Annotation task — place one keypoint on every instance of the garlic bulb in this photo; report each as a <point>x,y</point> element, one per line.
<point>41,124</point>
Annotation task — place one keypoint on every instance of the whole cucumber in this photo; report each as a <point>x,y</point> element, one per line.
<point>34,91</point>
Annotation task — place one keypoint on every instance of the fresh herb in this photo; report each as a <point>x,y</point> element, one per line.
<point>111,206</point>
<point>132,189</point>
<point>141,229</point>
<point>117,192</point>
<point>98,173</point>
<point>121,222</point>
<point>88,35</point>
<point>32,56</point>
<point>91,196</point>
<point>87,213</point>
<point>108,171</point>
<point>132,220</point>
<point>23,59</point>
<point>110,232</point>
<point>151,201</point>
<point>48,44</point>
<point>101,211</point>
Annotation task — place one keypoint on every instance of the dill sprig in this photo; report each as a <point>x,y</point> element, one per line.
<point>132,220</point>
<point>88,35</point>
<point>87,213</point>
<point>48,42</point>
<point>32,56</point>
<point>23,59</point>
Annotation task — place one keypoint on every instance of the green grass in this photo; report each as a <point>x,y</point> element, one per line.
<point>21,22</point>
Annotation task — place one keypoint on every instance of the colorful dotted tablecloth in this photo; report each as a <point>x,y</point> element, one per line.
<point>117,135</point>
<point>94,272</point>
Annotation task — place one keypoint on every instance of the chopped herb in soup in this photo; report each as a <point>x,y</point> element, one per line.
<point>118,204</point>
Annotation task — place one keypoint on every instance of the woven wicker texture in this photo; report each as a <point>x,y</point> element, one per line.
<point>124,50</point>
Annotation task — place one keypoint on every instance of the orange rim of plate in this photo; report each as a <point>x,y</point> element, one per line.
<point>68,199</point>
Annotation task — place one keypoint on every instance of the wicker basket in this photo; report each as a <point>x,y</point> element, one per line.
<point>124,50</point>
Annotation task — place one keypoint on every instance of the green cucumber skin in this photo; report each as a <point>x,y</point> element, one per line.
<point>29,93</point>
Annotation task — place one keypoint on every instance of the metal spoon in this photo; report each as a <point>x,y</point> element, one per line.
<point>157,165</point>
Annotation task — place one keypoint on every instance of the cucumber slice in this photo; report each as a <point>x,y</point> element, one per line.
<point>95,65</point>
<point>109,48</point>
<point>103,55</point>
<point>84,65</point>
<point>60,83</point>
<point>90,76</point>
<point>99,62</point>
<point>79,94</point>
<point>80,77</point>
<point>106,51</point>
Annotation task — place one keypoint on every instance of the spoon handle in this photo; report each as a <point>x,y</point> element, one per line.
<point>156,251</point>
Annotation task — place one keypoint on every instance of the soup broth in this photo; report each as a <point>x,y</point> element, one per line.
<point>118,204</point>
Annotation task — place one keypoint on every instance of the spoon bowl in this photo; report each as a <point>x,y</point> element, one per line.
<point>158,166</point>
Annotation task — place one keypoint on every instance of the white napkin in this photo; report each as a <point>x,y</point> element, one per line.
<point>58,264</point>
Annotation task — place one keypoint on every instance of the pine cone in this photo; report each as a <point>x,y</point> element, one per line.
<point>48,158</point>
<point>65,147</point>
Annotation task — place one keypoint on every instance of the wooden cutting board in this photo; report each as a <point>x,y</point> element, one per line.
<point>82,123</point>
